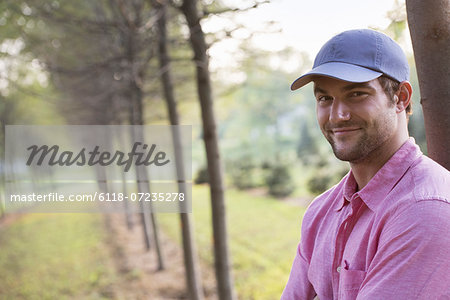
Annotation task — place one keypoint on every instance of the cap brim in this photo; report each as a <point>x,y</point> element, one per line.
<point>338,70</point>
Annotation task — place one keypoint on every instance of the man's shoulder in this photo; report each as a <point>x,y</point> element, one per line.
<point>423,185</point>
<point>429,180</point>
<point>426,164</point>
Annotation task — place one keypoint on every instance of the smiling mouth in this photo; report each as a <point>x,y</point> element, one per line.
<point>344,131</point>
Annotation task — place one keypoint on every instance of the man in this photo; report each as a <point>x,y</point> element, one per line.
<point>383,232</point>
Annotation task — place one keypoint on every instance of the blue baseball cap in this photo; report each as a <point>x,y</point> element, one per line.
<point>358,56</point>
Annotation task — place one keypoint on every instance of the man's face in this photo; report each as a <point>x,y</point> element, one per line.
<point>357,119</point>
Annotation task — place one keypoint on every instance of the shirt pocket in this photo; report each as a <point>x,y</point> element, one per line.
<point>350,283</point>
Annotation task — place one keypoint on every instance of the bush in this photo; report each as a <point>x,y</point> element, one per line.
<point>279,181</point>
<point>320,181</point>
<point>325,177</point>
<point>243,174</point>
<point>202,176</point>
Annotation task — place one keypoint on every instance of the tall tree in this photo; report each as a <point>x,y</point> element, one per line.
<point>97,54</point>
<point>429,24</point>
<point>189,249</point>
<point>221,251</point>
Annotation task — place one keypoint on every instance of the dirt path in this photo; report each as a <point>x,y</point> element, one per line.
<point>138,277</point>
<point>8,219</point>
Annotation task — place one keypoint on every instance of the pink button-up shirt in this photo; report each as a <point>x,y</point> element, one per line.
<point>390,240</point>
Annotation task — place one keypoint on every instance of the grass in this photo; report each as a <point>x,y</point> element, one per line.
<point>64,256</point>
<point>54,256</point>
<point>263,234</point>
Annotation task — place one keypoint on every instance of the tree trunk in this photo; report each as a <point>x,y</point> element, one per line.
<point>429,25</point>
<point>3,121</point>
<point>142,177</point>
<point>221,252</point>
<point>145,217</point>
<point>128,214</point>
<point>136,116</point>
<point>192,269</point>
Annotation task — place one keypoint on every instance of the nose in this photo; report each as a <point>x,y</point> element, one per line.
<point>339,112</point>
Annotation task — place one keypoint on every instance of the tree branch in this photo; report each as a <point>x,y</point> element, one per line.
<point>206,13</point>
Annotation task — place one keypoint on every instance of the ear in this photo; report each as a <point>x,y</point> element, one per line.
<point>403,96</point>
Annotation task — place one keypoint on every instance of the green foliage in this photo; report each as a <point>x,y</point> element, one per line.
<point>54,257</point>
<point>243,173</point>
<point>279,181</point>
<point>325,174</point>
<point>320,181</point>
<point>307,145</point>
<point>261,263</point>
<point>416,124</point>
<point>397,16</point>
<point>91,56</point>
<point>262,113</point>
<point>202,176</point>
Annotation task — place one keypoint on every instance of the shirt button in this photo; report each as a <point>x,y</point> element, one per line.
<point>338,269</point>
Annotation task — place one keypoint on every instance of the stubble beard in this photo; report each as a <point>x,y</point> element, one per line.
<point>366,144</point>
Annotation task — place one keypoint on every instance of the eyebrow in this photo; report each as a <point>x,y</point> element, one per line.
<point>318,90</point>
<point>356,85</point>
<point>348,87</point>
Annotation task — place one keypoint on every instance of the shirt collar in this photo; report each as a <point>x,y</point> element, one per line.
<point>384,180</point>
<point>349,188</point>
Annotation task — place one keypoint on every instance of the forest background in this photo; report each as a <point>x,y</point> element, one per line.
<point>87,62</point>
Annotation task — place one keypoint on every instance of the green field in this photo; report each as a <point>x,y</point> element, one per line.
<point>263,234</point>
<point>65,256</point>
<point>55,256</point>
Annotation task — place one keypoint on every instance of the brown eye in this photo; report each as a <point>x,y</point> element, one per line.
<point>324,98</point>
<point>357,94</point>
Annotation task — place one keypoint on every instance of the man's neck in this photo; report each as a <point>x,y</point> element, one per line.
<point>365,170</point>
